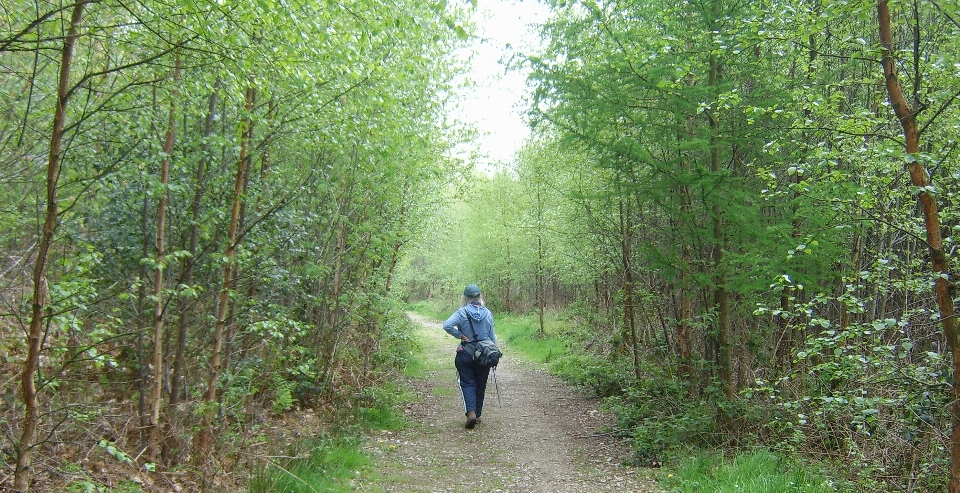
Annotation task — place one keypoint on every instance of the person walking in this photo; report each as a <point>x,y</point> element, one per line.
<point>471,322</point>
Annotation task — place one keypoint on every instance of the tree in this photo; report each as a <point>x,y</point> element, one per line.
<point>38,314</point>
<point>943,284</point>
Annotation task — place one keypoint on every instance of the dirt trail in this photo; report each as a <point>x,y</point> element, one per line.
<point>545,438</point>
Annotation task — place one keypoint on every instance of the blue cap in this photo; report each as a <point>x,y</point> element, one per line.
<point>471,291</point>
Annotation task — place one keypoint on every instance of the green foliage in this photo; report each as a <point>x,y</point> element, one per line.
<point>601,376</point>
<point>398,342</point>
<point>81,482</point>
<point>118,454</point>
<point>870,388</point>
<point>325,464</point>
<point>282,393</point>
<point>89,486</point>
<point>751,472</point>
<point>380,408</point>
<point>663,420</point>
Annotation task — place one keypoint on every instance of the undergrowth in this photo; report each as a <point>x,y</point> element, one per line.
<point>519,334</point>
<point>325,464</point>
<point>333,462</point>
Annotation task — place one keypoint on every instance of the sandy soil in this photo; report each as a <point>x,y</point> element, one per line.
<point>544,437</point>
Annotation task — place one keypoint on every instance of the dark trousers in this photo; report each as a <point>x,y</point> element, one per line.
<point>473,382</point>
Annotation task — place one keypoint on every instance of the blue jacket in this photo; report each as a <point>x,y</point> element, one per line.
<point>458,324</point>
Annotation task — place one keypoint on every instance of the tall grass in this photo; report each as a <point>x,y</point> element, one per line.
<point>755,472</point>
<point>322,465</point>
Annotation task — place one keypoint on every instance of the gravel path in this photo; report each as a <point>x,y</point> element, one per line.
<point>546,438</point>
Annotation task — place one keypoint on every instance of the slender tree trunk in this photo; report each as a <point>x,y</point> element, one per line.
<point>943,286</point>
<point>721,297</point>
<point>159,269</point>
<point>31,415</point>
<point>332,315</point>
<point>684,332</point>
<point>265,161</point>
<point>141,322</point>
<point>629,296</point>
<point>189,264</point>
<point>241,225</point>
<point>395,250</point>
<point>540,277</point>
<point>223,303</point>
<point>541,288</point>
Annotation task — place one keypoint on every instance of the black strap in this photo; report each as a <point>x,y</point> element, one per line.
<point>472,329</point>
<point>470,321</point>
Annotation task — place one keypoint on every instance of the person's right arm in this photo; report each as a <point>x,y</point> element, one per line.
<point>452,326</point>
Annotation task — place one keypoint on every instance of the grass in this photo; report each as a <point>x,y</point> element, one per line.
<point>755,472</point>
<point>327,464</point>
<point>518,335</point>
<point>332,463</point>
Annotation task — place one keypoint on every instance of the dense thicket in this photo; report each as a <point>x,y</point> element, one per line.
<point>735,197</point>
<point>203,207</point>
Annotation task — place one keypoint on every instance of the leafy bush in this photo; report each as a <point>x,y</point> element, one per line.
<point>658,414</point>
<point>601,376</point>
<point>864,391</point>
<point>398,345</point>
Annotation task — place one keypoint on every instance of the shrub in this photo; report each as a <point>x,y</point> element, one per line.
<point>658,414</point>
<point>600,376</point>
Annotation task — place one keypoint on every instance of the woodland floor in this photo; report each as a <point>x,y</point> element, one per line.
<point>546,437</point>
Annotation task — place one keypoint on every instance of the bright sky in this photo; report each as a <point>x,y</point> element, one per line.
<point>495,105</point>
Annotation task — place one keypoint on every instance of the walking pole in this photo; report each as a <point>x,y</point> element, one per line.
<point>496,385</point>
